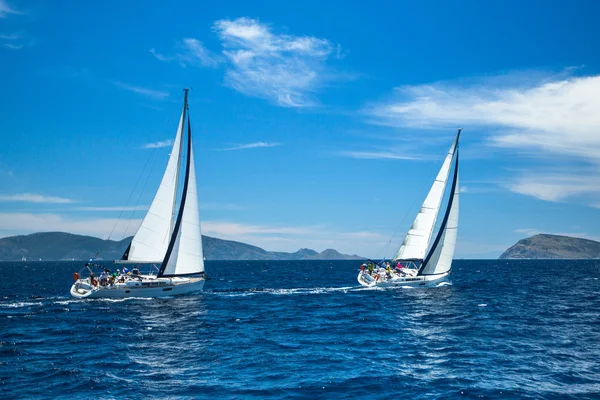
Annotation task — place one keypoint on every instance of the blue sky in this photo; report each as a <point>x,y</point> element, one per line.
<point>317,124</point>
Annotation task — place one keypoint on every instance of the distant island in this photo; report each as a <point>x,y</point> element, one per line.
<point>553,246</point>
<point>66,246</point>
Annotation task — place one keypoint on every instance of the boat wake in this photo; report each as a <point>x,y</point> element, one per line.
<point>65,302</point>
<point>277,292</point>
<point>241,292</point>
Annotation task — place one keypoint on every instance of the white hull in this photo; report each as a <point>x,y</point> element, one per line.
<point>399,281</point>
<point>168,287</point>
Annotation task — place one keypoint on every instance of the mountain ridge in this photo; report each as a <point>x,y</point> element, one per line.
<point>547,246</point>
<point>67,246</point>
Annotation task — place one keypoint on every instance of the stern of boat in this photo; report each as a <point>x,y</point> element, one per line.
<point>81,289</point>
<point>365,279</point>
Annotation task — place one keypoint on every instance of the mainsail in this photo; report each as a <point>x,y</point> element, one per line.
<point>417,239</point>
<point>439,258</point>
<point>152,237</point>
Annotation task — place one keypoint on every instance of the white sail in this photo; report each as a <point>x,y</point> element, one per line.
<point>417,239</point>
<point>186,256</point>
<point>152,237</point>
<point>440,260</point>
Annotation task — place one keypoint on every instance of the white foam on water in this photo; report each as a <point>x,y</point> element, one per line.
<point>317,290</point>
<point>65,302</point>
<point>284,292</point>
<point>482,305</point>
<point>21,304</point>
<point>108,300</point>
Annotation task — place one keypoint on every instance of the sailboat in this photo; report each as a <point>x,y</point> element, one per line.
<point>416,263</point>
<point>168,237</point>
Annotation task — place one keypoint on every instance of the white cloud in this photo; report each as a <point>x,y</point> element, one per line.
<point>151,93</point>
<point>285,69</point>
<point>542,115</point>
<point>281,68</point>
<point>251,146</point>
<point>35,198</point>
<point>24,223</point>
<point>6,9</point>
<point>9,36</point>
<point>190,52</point>
<point>556,186</point>
<point>13,46</point>
<point>157,145</point>
<point>231,228</point>
<point>377,155</point>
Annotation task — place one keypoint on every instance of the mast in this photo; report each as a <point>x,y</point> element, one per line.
<point>183,113</point>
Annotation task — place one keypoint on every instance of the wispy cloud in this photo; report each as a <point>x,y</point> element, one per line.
<point>151,93</point>
<point>534,115</point>
<point>116,208</point>
<point>6,9</point>
<point>15,41</point>
<point>221,207</point>
<point>251,146</point>
<point>190,52</point>
<point>291,238</point>
<point>35,198</point>
<point>377,155</point>
<point>559,116</point>
<point>556,186</point>
<point>232,228</point>
<point>282,68</point>
<point>13,46</point>
<point>156,145</point>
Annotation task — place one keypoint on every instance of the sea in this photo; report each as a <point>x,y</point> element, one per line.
<point>306,330</point>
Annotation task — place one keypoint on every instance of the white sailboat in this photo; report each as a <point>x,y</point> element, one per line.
<point>415,262</point>
<point>168,237</point>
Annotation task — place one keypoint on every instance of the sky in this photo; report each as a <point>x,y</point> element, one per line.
<point>316,124</point>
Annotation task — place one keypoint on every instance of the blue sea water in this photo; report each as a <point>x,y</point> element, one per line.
<point>503,329</point>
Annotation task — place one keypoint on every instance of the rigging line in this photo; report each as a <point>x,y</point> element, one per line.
<point>416,197</point>
<point>131,193</point>
<point>127,202</point>
<point>153,155</point>
<point>141,192</point>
